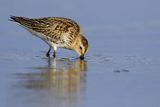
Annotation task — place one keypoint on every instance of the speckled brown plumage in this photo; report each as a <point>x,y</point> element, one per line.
<point>56,32</point>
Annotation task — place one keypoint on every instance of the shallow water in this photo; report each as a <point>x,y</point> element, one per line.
<point>121,68</point>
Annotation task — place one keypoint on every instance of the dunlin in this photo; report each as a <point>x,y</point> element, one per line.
<point>56,32</point>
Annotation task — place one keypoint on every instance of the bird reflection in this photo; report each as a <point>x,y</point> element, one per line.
<point>60,83</point>
<point>63,75</point>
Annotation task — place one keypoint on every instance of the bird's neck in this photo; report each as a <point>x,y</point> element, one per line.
<point>74,43</point>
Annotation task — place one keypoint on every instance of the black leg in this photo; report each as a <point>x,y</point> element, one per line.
<point>48,53</point>
<point>54,54</point>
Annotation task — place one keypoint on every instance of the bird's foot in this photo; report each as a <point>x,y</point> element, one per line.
<point>54,55</point>
<point>47,54</point>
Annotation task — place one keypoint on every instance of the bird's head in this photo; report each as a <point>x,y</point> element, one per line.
<point>80,45</point>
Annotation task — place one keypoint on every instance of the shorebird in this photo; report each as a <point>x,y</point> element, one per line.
<point>57,32</point>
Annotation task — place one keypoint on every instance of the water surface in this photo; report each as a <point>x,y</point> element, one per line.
<point>121,68</point>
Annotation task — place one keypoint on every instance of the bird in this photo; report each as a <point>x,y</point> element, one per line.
<point>57,32</point>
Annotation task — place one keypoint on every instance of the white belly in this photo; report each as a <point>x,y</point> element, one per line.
<point>46,39</point>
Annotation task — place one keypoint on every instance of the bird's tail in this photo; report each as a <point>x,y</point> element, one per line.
<point>21,20</point>
<point>15,19</point>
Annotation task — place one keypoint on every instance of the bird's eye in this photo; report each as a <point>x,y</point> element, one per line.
<point>80,48</point>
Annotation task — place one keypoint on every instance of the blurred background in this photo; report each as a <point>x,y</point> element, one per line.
<point>109,18</point>
<point>121,67</point>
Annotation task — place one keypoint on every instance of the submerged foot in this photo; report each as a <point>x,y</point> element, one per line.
<point>47,54</point>
<point>54,54</point>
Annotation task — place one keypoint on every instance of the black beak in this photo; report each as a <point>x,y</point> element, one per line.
<point>81,57</point>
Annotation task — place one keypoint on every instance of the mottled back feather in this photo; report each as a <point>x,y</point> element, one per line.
<point>54,28</point>
<point>56,32</point>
